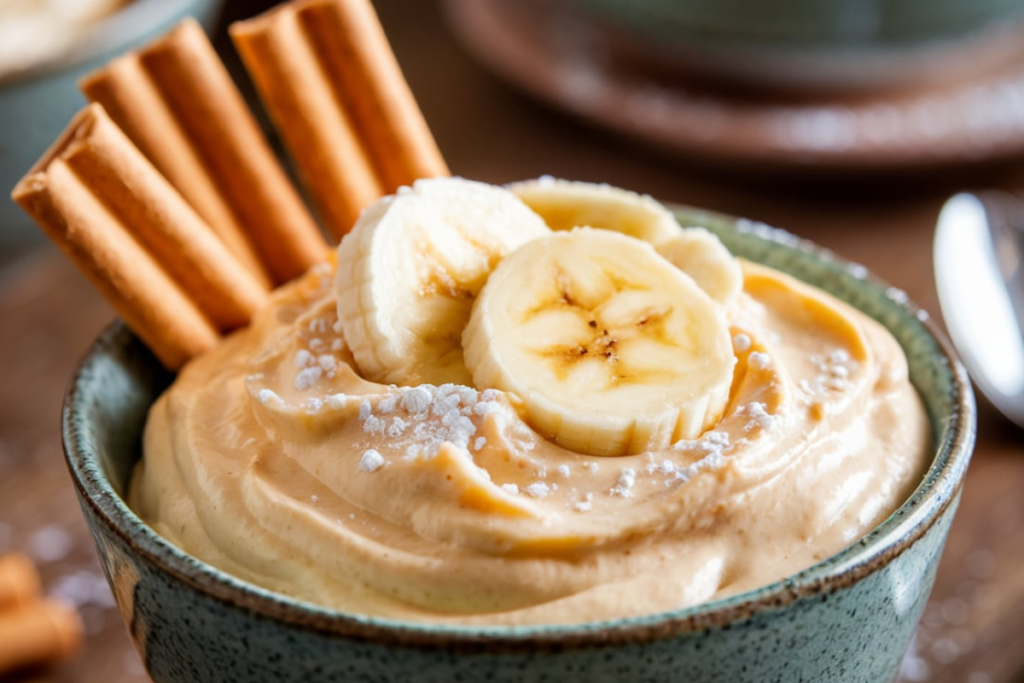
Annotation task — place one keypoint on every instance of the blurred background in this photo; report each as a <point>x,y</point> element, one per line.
<point>849,123</point>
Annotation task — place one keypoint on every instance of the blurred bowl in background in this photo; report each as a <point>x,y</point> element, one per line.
<point>38,100</point>
<point>563,53</point>
<point>816,46</point>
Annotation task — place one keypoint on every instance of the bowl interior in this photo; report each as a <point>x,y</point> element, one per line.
<point>107,403</point>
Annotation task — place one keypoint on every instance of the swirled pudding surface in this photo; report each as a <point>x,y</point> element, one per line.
<point>275,459</point>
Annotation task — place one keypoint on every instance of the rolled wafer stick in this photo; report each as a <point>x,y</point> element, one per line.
<point>36,633</point>
<point>189,82</point>
<point>312,119</point>
<point>19,581</point>
<point>133,100</point>
<point>338,49</point>
<point>173,233</point>
<point>96,240</point>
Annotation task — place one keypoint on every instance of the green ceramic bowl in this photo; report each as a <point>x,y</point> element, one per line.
<point>849,618</point>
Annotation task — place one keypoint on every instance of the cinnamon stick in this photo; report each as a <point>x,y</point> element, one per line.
<point>177,103</point>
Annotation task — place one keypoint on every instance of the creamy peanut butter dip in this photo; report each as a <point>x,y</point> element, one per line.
<point>277,459</point>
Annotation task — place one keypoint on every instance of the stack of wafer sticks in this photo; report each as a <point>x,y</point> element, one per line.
<point>33,630</point>
<point>166,195</point>
<point>331,82</point>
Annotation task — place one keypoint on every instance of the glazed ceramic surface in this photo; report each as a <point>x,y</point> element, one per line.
<point>827,23</point>
<point>818,45</point>
<point>36,106</point>
<point>847,619</point>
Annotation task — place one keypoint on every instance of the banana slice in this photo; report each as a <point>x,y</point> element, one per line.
<point>409,270</point>
<point>610,348</point>
<point>566,204</point>
<point>702,256</point>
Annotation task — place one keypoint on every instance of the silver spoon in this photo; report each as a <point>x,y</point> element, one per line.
<point>979,273</point>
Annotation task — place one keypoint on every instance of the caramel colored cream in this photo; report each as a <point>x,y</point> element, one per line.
<point>271,459</point>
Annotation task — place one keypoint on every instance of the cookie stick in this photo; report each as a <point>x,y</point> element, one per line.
<point>304,105</point>
<point>131,97</point>
<point>199,95</point>
<point>107,164</point>
<point>37,632</point>
<point>342,45</point>
<point>353,46</point>
<point>19,581</point>
<point>124,272</point>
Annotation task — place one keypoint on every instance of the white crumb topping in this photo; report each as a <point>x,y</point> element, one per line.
<point>834,372</point>
<point>416,400</point>
<point>387,405</point>
<point>327,363</point>
<point>623,487</point>
<point>711,447</point>
<point>759,416</point>
<point>397,427</point>
<point>741,343</point>
<point>484,408</point>
<point>564,471</point>
<point>371,461</point>
<point>336,400</point>
<point>585,504</point>
<point>269,397</point>
<point>759,360</point>
<point>538,489</point>
<point>510,489</point>
<point>426,417</point>
<point>305,379</point>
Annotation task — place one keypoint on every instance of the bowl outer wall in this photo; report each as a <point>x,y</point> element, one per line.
<point>867,598</point>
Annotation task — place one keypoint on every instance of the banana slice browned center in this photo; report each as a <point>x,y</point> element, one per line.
<point>611,348</point>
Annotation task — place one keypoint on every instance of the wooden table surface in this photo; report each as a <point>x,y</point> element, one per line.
<point>973,628</point>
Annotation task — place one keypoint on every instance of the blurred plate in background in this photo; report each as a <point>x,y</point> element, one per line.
<point>552,51</point>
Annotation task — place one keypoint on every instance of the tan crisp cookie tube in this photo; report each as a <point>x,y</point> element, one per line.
<point>37,633</point>
<point>19,582</point>
<point>172,232</point>
<point>80,216</point>
<point>178,104</point>
<point>336,93</point>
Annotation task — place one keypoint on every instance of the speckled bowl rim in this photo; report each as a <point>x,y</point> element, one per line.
<point>912,520</point>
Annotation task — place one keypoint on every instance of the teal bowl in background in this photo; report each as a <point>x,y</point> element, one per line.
<point>847,619</point>
<point>36,104</point>
<point>821,46</point>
